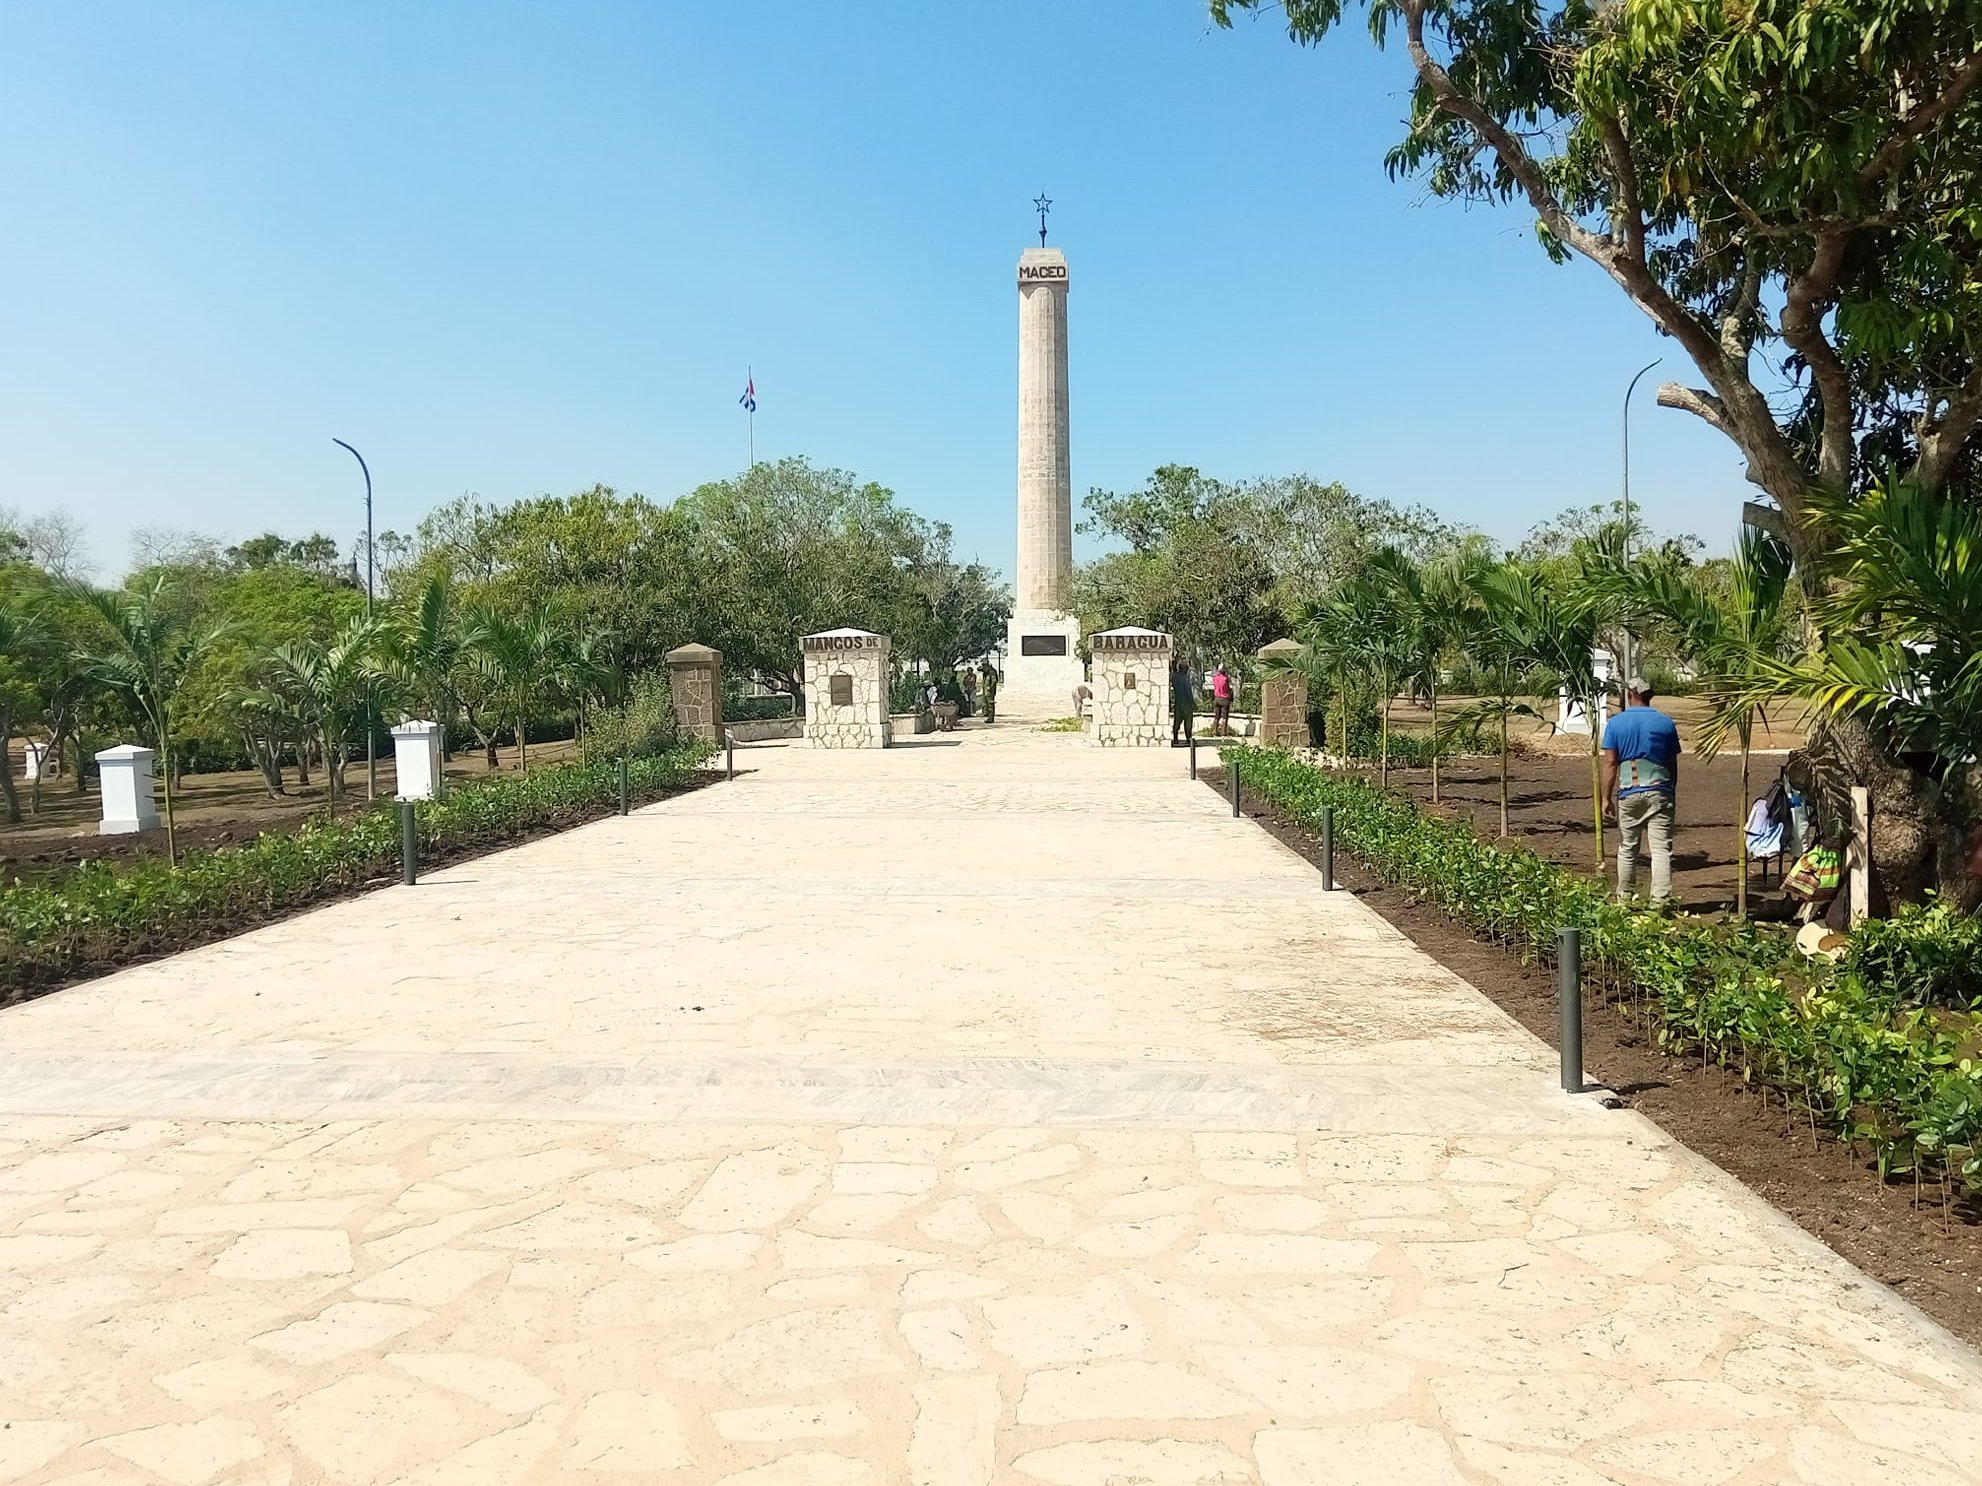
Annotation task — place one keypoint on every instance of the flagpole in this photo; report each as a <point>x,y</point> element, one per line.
<point>750,378</point>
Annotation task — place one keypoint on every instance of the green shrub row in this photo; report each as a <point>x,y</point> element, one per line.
<point>1856,1045</point>
<point>108,912</point>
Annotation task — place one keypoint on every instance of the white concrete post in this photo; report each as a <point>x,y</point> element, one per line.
<point>416,760</point>
<point>1131,704</point>
<point>846,689</point>
<point>128,806</point>
<point>34,758</point>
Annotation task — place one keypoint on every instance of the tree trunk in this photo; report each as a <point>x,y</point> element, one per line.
<point>1383,743</point>
<point>1503,774</point>
<point>171,824</point>
<point>522,745</point>
<point>82,768</point>
<point>1596,785</point>
<point>7,771</point>
<point>1434,736</point>
<point>1741,831</point>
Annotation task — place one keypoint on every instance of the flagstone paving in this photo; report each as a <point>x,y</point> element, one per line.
<point>989,1111</point>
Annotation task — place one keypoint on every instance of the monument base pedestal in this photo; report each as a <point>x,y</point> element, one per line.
<point>1038,683</point>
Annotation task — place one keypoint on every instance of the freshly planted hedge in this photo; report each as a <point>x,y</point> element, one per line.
<point>107,913</point>
<point>1855,1045</point>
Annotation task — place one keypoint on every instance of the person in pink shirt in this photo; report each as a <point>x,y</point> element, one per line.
<point>1221,699</point>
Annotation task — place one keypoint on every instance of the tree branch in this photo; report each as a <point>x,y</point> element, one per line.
<point>1736,407</point>
<point>1922,119</point>
<point>1765,518</point>
<point>1940,444</point>
<point>1736,334</point>
<point>1631,211</point>
<point>1697,401</point>
<point>1808,295</point>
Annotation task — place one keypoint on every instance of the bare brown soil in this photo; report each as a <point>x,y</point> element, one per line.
<point>1548,811</point>
<point>1928,1253</point>
<point>209,810</point>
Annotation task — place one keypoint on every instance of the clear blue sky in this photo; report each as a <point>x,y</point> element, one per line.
<point>514,249</point>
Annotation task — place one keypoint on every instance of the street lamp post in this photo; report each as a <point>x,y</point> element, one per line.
<point>371,728</point>
<point>1626,660</point>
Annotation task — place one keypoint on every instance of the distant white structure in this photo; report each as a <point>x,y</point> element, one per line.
<point>416,760</point>
<point>34,759</point>
<point>1570,714</point>
<point>128,789</point>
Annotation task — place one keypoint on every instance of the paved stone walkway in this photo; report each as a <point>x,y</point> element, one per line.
<point>992,1110</point>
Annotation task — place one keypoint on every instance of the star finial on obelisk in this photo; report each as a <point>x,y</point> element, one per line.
<point>1043,204</point>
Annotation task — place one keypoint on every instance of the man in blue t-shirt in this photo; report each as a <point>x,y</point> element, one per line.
<point>1640,779</point>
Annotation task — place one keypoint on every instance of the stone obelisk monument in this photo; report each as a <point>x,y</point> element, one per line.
<point>1042,667</point>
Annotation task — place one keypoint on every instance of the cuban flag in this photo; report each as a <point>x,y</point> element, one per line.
<point>749,398</point>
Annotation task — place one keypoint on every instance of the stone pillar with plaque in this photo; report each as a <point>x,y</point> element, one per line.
<point>846,689</point>
<point>1131,705</point>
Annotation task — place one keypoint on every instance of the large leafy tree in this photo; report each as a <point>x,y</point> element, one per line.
<point>788,549</point>
<point>1194,566</point>
<point>1777,181</point>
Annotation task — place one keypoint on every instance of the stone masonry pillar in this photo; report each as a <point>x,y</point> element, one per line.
<point>846,689</point>
<point>1131,688</point>
<point>695,682</point>
<point>1283,698</point>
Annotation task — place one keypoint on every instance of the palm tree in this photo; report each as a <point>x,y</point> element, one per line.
<point>1499,668</point>
<point>1897,643</point>
<point>1550,631</point>
<point>522,660</point>
<point>1729,636</point>
<point>330,686</point>
<point>425,650</point>
<point>145,649</point>
<point>1437,598</point>
<point>19,634</point>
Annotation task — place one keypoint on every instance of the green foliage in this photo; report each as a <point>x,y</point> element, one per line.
<point>1850,1044</point>
<point>1227,567</point>
<point>105,911</point>
<point>1778,181</point>
<point>1061,725</point>
<point>1929,954</point>
<point>645,724</point>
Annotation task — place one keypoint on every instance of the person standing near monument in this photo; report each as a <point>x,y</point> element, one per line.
<point>1183,700</point>
<point>1641,786</point>
<point>987,688</point>
<point>1221,700</point>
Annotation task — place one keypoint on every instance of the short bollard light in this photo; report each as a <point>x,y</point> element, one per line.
<point>624,803</point>
<point>409,844</point>
<point>1193,757</point>
<point>1328,848</point>
<point>1232,771</point>
<point>1569,962</point>
<point>729,755</point>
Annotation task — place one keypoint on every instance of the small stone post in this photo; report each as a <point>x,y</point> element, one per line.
<point>1283,699</point>
<point>695,682</point>
<point>1131,703</point>
<point>416,760</point>
<point>128,804</point>
<point>846,689</point>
